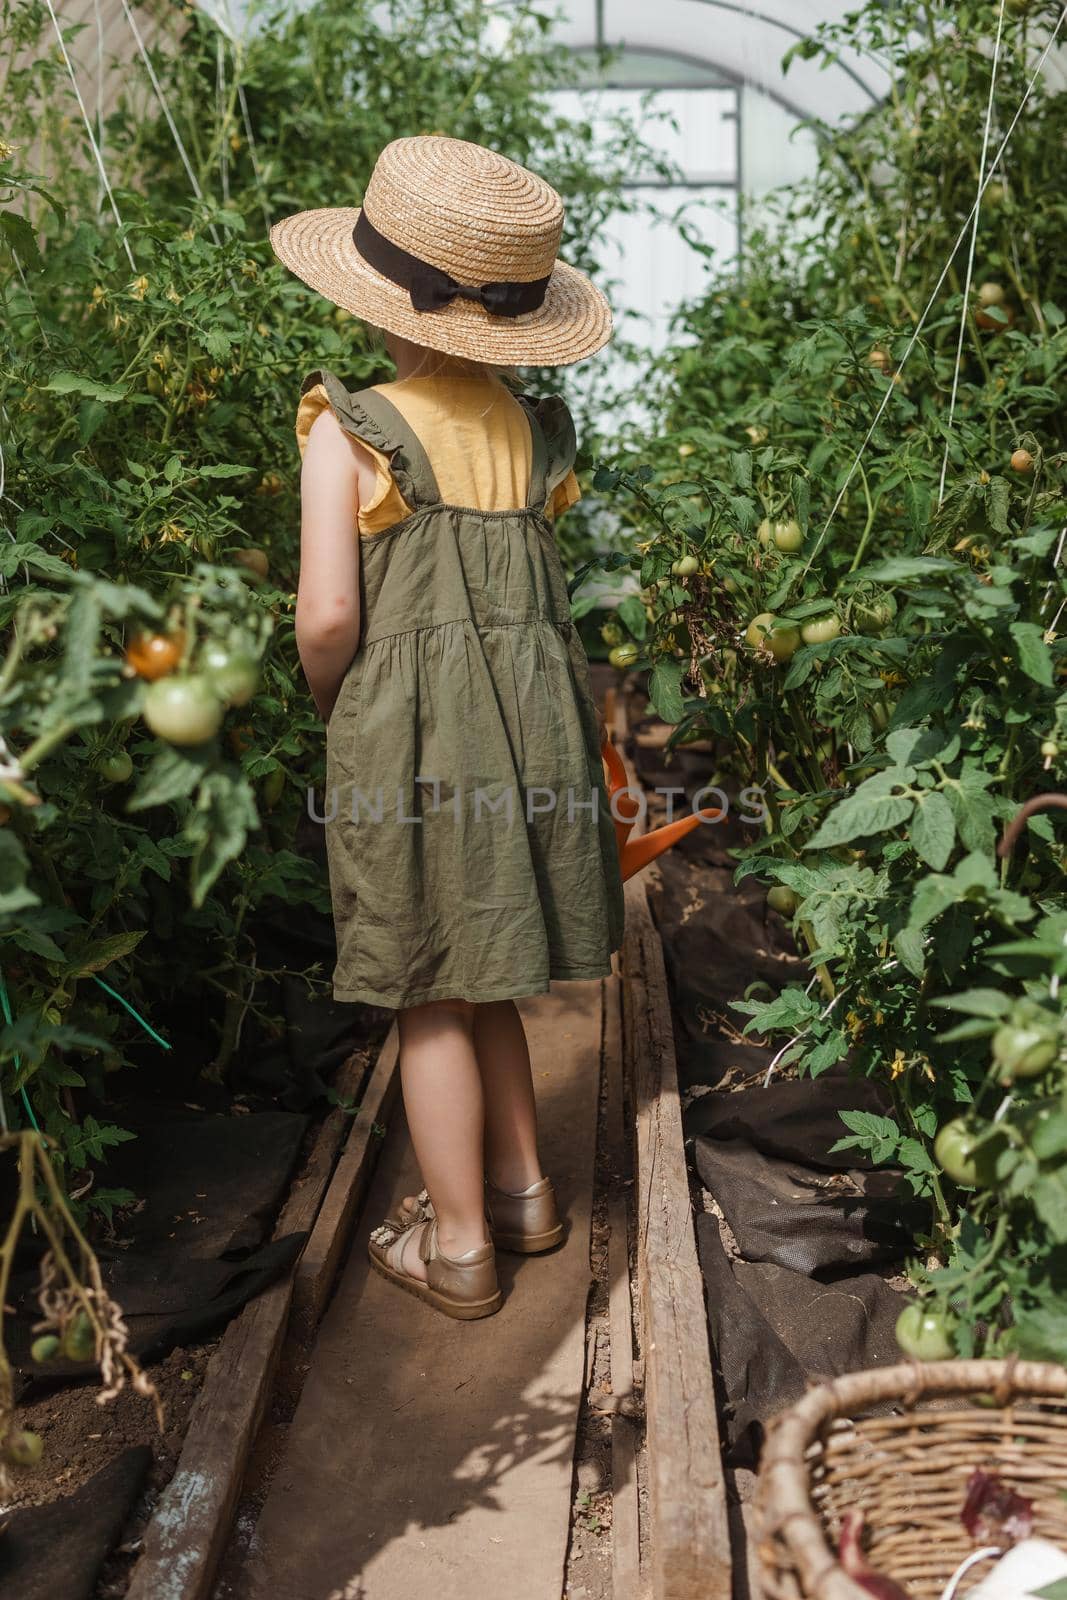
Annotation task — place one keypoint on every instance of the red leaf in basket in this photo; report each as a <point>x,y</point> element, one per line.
<point>993,1513</point>
<point>852,1558</point>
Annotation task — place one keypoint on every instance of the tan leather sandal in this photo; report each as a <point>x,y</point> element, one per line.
<point>464,1287</point>
<point>526,1223</point>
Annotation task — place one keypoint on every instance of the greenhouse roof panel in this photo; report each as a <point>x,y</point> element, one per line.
<point>737,40</point>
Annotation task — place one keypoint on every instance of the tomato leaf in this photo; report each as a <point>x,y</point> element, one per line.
<point>632,614</point>
<point>911,948</point>
<point>74,383</point>
<point>665,690</point>
<point>171,775</point>
<point>1040,1334</point>
<point>933,829</point>
<point>872,809</point>
<point>976,1002</point>
<point>22,240</point>
<point>15,894</point>
<point>1049,1137</point>
<point>224,815</point>
<point>1031,651</point>
<point>95,957</point>
<point>827,1054</point>
<point>1049,1195</point>
<point>998,501</point>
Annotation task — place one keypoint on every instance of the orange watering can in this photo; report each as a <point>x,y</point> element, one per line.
<point>625,808</point>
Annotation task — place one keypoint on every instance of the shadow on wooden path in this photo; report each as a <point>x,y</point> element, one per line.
<point>429,1459</point>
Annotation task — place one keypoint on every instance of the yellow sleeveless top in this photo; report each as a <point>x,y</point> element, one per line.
<point>477,438</point>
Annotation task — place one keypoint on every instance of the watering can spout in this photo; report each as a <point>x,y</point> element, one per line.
<point>625,809</point>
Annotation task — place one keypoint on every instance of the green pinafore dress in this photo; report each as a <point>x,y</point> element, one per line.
<point>471,849</point>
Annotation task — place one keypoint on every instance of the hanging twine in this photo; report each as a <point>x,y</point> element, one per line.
<point>89,130</point>
<point>164,106</point>
<point>970,255</point>
<point>913,341</point>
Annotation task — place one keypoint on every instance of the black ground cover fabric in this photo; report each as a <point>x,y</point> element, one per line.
<point>794,1119</point>
<point>800,1303</point>
<point>774,1331</point>
<point>201,1245</point>
<point>56,1551</point>
<point>810,1221</point>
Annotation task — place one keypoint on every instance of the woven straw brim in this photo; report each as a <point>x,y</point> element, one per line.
<point>573,322</point>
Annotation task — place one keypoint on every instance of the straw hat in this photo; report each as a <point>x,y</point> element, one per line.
<point>454,248</point>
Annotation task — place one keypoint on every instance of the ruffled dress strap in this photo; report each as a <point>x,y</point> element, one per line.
<point>372,419</point>
<point>553,486</point>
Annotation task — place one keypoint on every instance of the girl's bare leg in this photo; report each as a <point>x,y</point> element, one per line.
<point>444,1103</point>
<point>511,1158</point>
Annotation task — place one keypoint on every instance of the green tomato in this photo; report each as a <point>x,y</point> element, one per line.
<point>46,1348</point>
<point>782,899</point>
<point>926,1335</point>
<point>23,1449</point>
<point>79,1340</point>
<point>623,656</point>
<point>116,768</point>
<point>273,787</point>
<point>787,536</point>
<point>955,1154</point>
<point>611,633</point>
<point>765,533</point>
<point>1049,749</point>
<point>820,630</point>
<point>1027,1044</point>
<point>765,632</point>
<point>874,616</point>
<point>232,674</point>
<point>183,710</point>
<point>685,566</point>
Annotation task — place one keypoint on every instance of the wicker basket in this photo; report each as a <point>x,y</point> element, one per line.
<point>907,1471</point>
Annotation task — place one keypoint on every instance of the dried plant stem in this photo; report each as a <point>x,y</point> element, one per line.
<point>71,1281</point>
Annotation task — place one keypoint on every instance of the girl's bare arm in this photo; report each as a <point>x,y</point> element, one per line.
<point>327,602</point>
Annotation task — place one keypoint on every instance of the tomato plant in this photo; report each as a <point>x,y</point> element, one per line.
<point>897,682</point>
<point>159,737</point>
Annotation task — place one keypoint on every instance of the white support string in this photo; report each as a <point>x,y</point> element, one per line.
<point>251,151</point>
<point>89,129</point>
<point>165,108</point>
<point>99,92</point>
<point>220,112</point>
<point>913,341</point>
<point>970,255</point>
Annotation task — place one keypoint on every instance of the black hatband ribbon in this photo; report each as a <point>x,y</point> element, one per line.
<point>431,288</point>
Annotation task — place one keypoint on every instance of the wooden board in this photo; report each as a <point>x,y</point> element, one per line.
<point>688,1533</point>
<point>187,1534</point>
<point>625,1521</point>
<point>318,1265</point>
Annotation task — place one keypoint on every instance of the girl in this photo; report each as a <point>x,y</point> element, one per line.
<point>471,851</point>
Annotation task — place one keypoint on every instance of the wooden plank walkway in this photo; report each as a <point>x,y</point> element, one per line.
<point>434,1458</point>
<point>688,1529</point>
<point>185,1538</point>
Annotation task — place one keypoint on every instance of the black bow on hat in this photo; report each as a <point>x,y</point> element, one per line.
<point>431,288</point>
